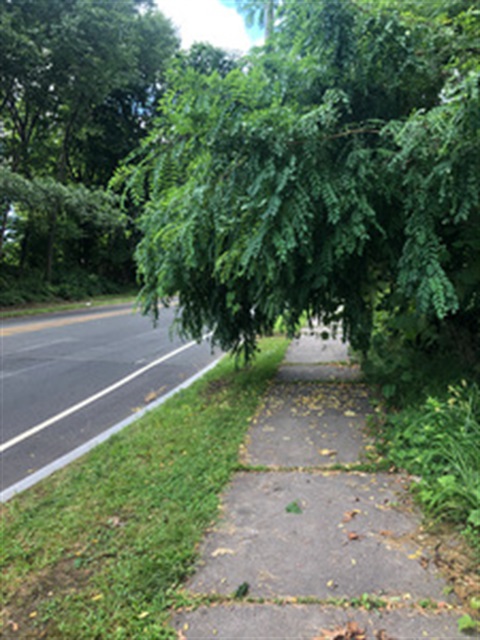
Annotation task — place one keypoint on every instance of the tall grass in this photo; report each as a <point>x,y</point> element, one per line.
<point>438,440</point>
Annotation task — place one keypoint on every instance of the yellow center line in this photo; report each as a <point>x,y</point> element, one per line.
<point>61,322</point>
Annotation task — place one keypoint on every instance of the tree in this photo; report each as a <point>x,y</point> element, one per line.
<point>79,86</point>
<point>206,58</point>
<point>262,12</point>
<point>337,169</point>
<point>70,206</point>
<point>66,65</point>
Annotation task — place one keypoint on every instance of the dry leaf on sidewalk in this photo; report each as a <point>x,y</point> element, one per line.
<point>349,515</point>
<point>382,635</point>
<point>351,631</point>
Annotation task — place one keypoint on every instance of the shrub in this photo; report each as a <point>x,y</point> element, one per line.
<point>438,440</point>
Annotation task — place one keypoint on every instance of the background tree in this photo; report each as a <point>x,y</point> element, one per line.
<point>260,12</point>
<point>206,58</point>
<point>79,86</point>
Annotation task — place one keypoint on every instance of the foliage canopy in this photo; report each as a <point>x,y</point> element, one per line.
<point>337,168</point>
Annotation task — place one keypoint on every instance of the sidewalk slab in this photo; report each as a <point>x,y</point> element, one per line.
<point>307,622</point>
<point>333,372</point>
<point>311,348</point>
<point>309,424</point>
<point>345,537</point>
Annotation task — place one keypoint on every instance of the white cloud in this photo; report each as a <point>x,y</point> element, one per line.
<point>207,21</point>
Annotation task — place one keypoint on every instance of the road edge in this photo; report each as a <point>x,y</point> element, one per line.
<point>63,461</point>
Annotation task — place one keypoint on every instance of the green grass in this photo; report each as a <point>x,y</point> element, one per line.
<point>100,549</point>
<point>40,308</point>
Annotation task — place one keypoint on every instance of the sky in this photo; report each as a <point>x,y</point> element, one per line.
<point>214,21</point>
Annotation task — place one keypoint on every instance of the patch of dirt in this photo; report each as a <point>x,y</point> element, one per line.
<point>447,550</point>
<point>351,631</point>
<point>20,615</point>
<point>457,561</point>
<point>215,387</point>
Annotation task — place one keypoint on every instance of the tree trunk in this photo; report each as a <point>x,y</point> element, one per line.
<point>269,19</point>
<point>3,225</point>
<point>52,228</point>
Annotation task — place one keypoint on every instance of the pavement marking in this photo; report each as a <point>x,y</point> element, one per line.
<point>19,372</point>
<point>60,322</point>
<point>120,383</point>
<point>41,345</point>
<point>63,461</point>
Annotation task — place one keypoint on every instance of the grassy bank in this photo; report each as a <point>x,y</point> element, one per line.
<point>98,550</point>
<point>40,308</point>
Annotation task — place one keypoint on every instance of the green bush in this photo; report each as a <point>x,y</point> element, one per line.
<point>438,441</point>
<point>411,358</point>
<point>72,285</point>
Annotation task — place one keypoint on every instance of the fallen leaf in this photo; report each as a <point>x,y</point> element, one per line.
<point>327,452</point>
<point>13,625</point>
<point>386,532</point>
<point>34,614</point>
<point>349,515</point>
<point>416,555</point>
<point>351,631</point>
<point>143,615</point>
<point>242,590</point>
<point>293,507</point>
<point>223,552</point>
<point>99,596</point>
<point>353,536</point>
<point>383,635</point>
<point>115,521</point>
<point>349,414</point>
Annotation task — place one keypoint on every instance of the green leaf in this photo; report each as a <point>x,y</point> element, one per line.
<point>242,590</point>
<point>467,623</point>
<point>474,518</point>
<point>294,507</point>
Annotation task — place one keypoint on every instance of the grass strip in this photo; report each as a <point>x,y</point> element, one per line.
<point>368,602</point>
<point>100,549</point>
<point>42,308</point>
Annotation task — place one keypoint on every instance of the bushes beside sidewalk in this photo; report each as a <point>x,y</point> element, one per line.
<point>437,440</point>
<point>428,378</point>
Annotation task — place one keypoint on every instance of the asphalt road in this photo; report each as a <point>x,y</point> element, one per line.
<point>66,378</point>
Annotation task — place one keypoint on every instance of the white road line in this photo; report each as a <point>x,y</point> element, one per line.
<point>47,423</point>
<point>59,463</point>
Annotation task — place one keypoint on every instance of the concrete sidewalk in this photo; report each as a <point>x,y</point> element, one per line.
<point>312,547</point>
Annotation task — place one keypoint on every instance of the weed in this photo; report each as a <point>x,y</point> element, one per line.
<point>466,624</point>
<point>368,601</point>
